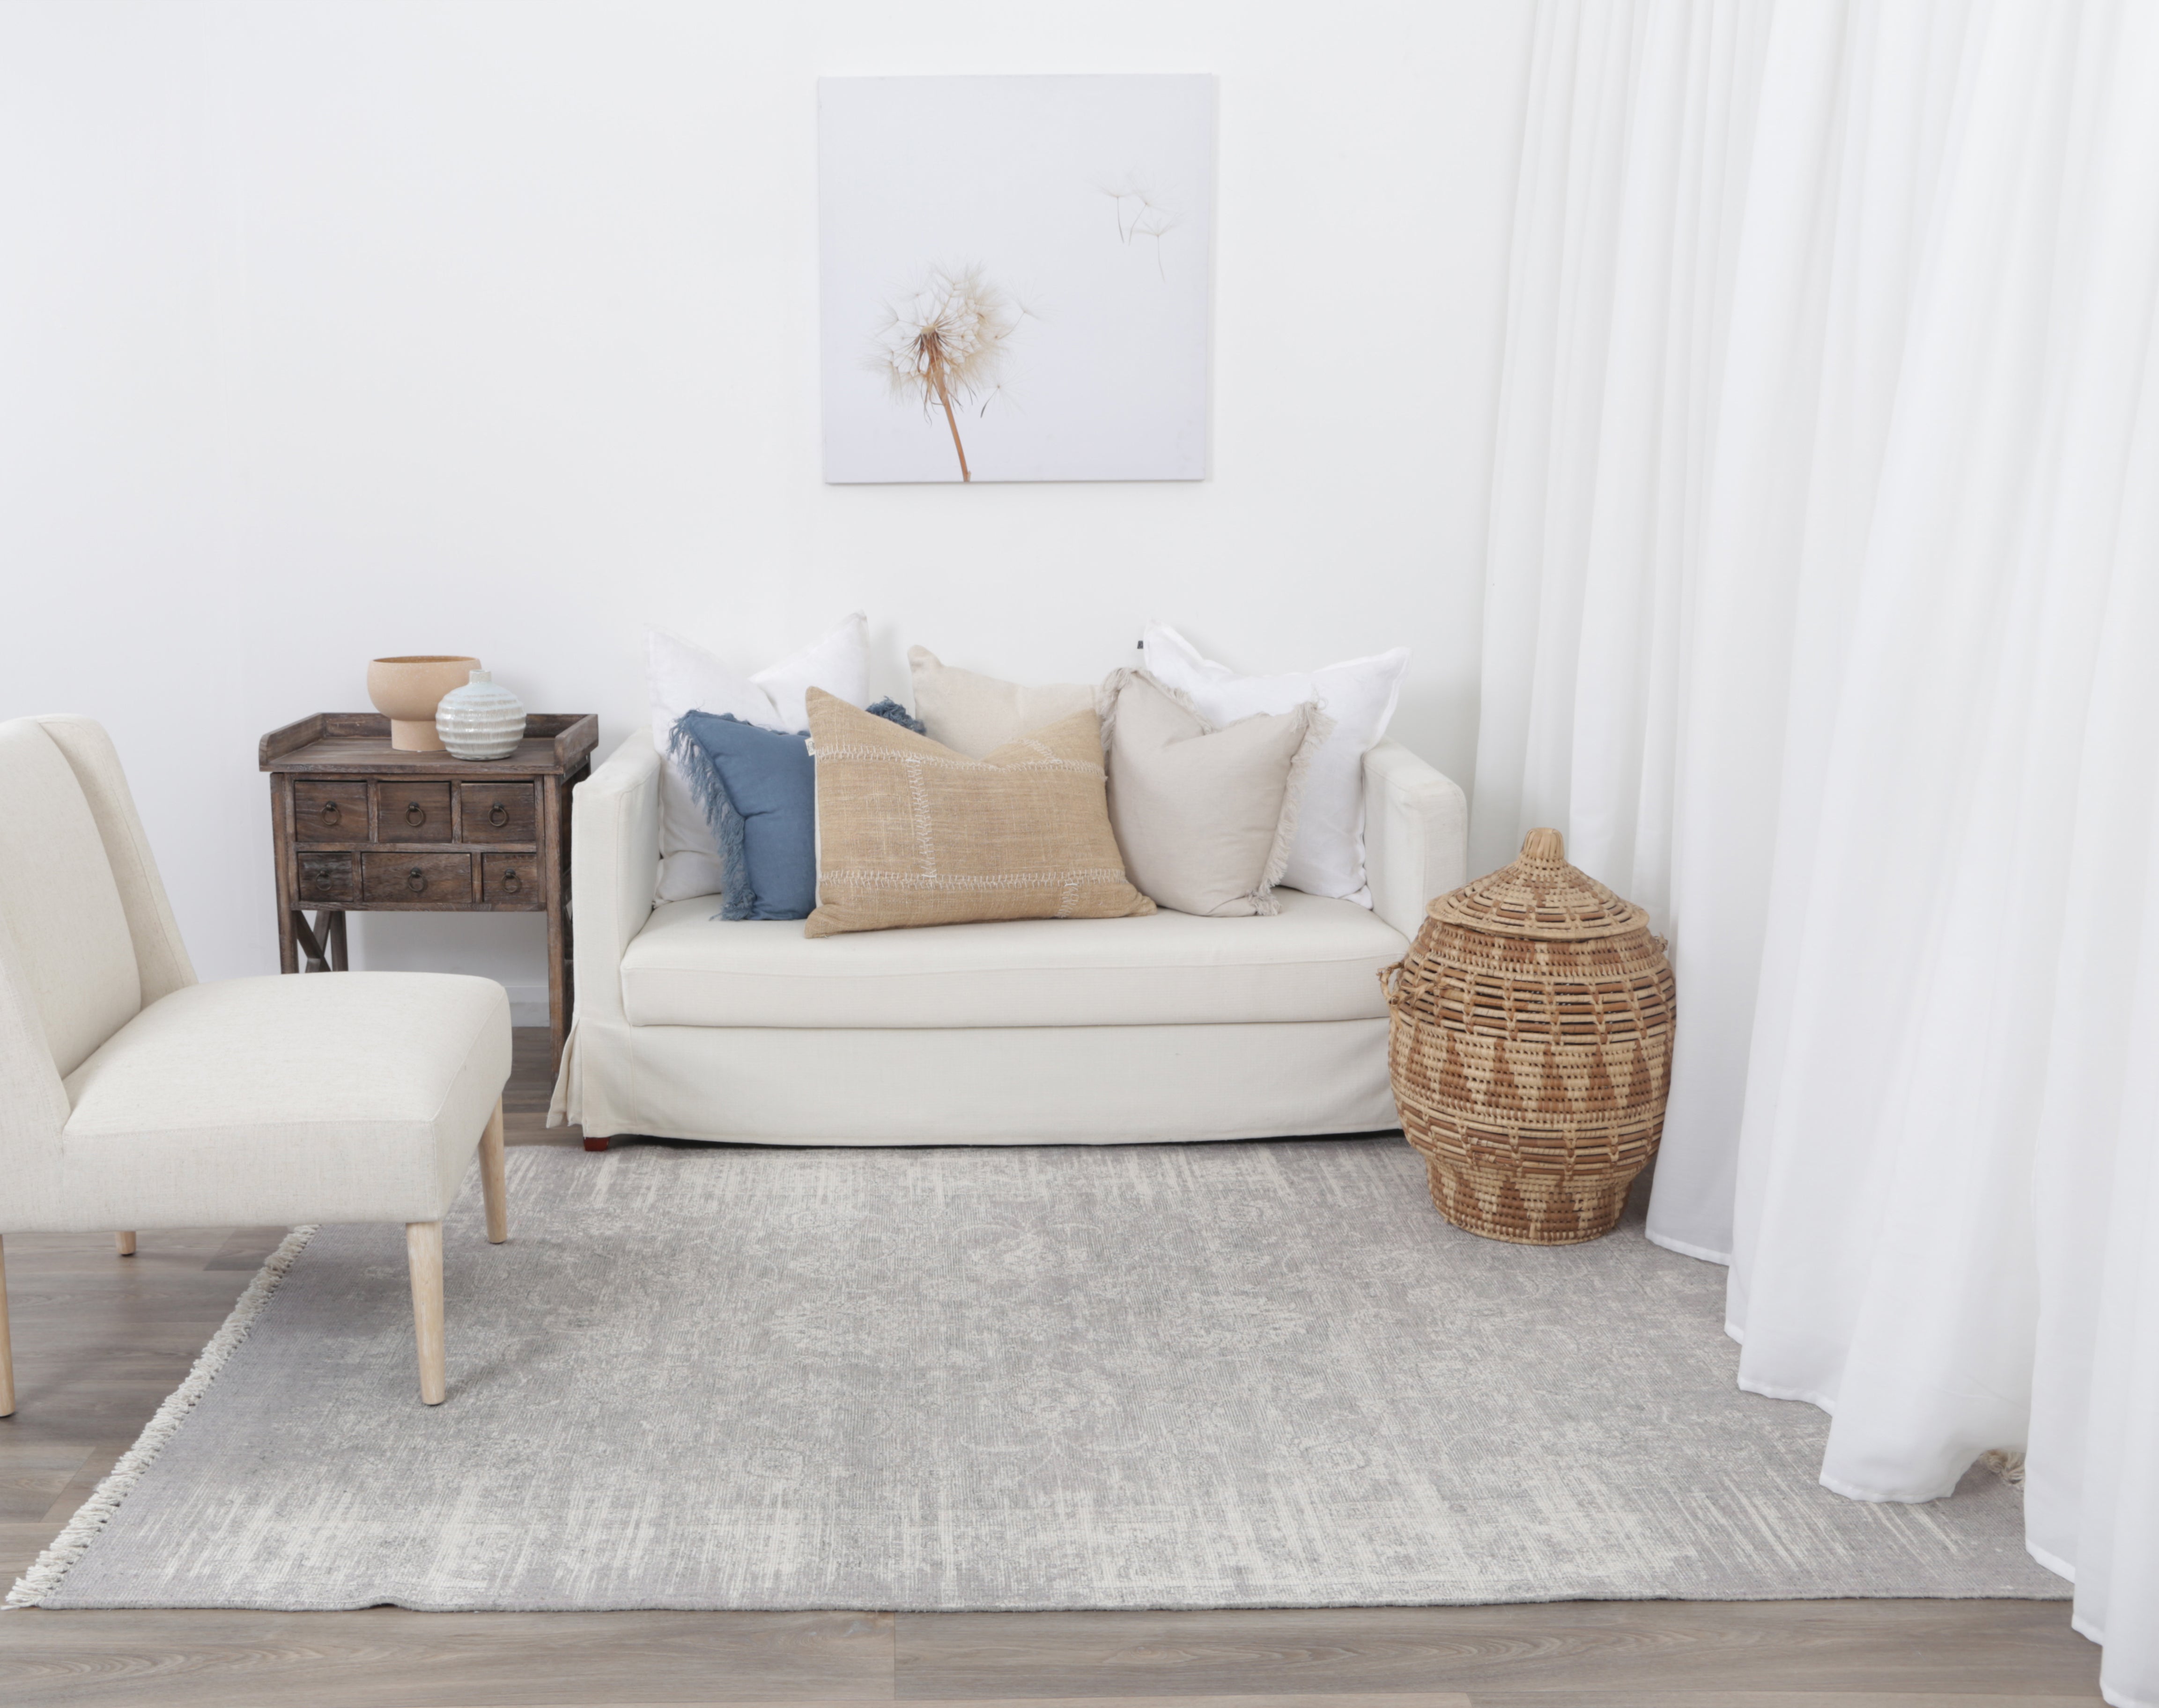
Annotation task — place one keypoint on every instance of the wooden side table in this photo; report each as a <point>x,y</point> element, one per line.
<point>358,824</point>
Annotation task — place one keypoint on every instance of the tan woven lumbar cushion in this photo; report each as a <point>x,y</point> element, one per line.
<point>911,833</point>
<point>1204,813</point>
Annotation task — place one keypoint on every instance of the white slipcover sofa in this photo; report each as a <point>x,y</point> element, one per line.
<point>1168,1026</point>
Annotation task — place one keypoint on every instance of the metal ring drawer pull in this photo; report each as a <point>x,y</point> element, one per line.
<point>498,814</point>
<point>416,880</point>
<point>511,883</point>
<point>415,814</point>
<point>330,812</point>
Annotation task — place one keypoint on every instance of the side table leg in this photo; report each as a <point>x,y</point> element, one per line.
<point>554,864</point>
<point>281,846</point>
<point>337,942</point>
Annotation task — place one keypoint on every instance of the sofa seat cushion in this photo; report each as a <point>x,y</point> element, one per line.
<point>1316,960</point>
<point>331,1097</point>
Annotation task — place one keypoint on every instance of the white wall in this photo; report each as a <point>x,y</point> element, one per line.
<point>329,330</point>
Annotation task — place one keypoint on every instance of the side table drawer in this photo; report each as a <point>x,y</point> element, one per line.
<point>327,877</point>
<point>442,878</point>
<point>512,881</point>
<point>329,809</point>
<point>413,812</point>
<point>498,812</point>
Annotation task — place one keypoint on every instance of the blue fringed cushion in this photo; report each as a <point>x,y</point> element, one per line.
<point>893,712</point>
<point>758,789</point>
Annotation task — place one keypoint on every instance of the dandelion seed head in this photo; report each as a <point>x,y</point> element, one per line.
<point>952,332</point>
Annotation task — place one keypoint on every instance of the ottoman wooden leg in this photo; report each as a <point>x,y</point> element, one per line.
<point>423,1253</point>
<point>494,1186</point>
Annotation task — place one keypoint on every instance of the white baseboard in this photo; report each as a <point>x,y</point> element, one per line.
<point>528,1004</point>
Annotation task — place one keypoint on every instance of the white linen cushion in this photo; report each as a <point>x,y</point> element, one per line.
<point>328,1097</point>
<point>683,677</point>
<point>1327,856</point>
<point>976,715</point>
<point>59,900</point>
<point>1316,960</point>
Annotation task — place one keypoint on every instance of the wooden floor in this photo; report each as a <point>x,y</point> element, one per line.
<point>100,1340</point>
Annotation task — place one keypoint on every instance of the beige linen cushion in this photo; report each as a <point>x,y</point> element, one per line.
<point>976,715</point>
<point>912,833</point>
<point>1204,815</point>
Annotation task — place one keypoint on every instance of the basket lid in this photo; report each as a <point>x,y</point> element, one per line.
<point>1541,895</point>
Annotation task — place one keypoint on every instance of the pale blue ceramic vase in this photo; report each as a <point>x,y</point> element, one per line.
<point>481,720</point>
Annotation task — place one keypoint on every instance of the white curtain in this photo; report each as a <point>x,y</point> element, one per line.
<point>1822,614</point>
<point>1635,152</point>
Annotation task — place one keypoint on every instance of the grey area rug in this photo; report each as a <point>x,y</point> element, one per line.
<point>1254,1374</point>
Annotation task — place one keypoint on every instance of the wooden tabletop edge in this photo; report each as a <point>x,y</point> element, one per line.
<point>580,738</point>
<point>563,741</point>
<point>296,734</point>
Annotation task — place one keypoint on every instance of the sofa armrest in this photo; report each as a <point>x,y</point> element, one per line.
<point>1416,835</point>
<point>615,853</point>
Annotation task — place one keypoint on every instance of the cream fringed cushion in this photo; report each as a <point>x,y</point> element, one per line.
<point>974,714</point>
<point>1205,816</point>
<point>911,833</point>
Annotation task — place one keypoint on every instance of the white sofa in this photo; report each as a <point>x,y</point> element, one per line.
<point>1034,1031</point>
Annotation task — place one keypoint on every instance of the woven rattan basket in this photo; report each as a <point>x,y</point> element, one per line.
<point>1531,1046</point>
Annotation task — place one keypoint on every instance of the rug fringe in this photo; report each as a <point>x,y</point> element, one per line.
<point>92,1516</point>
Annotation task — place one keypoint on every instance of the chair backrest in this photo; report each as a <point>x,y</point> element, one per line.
<point>85,931</point>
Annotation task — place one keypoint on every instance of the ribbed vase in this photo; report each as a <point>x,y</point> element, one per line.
<point>481,720</point>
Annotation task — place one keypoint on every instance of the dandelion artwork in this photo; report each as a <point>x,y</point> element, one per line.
<point>1015,277</point>
<point>947,340</point>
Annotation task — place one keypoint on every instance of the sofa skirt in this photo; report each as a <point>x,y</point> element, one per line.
<point>1019,1085</point>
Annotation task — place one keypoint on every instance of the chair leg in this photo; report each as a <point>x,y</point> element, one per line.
<point>7,1351</point>
<point>493,1186</point>
<point>124,1244</point>
<point>423,1255</point>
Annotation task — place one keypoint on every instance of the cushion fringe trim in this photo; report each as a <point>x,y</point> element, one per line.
<point>92,1516</point>
<point>1317,728</point>
<point>737,900</point>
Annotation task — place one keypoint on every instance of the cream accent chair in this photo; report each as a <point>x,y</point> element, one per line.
<point>133,1097</point>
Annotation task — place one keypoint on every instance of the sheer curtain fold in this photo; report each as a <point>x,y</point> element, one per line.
<point>1863,1149</point>
<point>1848,134</point>
<point>1823,595</point>
<point>1634,156</point>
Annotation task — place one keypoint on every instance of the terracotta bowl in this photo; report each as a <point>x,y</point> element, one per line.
<point>406,690</point>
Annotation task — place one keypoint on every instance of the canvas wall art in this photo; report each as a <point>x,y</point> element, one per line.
<point>1016,276</point>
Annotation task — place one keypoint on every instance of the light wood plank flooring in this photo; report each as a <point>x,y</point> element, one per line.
<point>100,1340</point>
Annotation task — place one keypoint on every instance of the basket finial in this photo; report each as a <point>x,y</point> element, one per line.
<point>1545,847</point>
